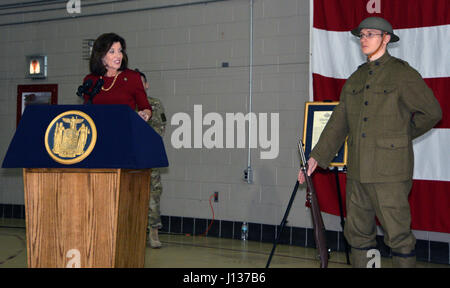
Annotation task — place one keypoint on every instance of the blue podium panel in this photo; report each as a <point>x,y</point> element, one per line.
<point>84,136</point>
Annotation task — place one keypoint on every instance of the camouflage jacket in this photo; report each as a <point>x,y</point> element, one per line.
<point>158,120</point>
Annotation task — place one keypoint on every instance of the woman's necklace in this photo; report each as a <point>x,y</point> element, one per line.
<point>114,81</point>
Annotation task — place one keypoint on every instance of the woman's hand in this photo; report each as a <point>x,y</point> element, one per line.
<point>145,114</point>
<point>312,165</point>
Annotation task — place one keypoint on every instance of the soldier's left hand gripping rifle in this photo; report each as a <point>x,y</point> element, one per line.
<point>319,227</point>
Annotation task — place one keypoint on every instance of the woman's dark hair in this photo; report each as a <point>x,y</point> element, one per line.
<point>101,47</point>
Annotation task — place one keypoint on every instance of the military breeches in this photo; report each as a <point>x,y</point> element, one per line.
<point>389,203</point>
<point>154,212</point>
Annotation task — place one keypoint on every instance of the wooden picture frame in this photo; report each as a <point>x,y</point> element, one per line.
<point>36,94</point>
<point>317,115</point>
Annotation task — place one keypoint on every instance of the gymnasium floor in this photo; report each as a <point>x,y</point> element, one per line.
<point>182,251</point>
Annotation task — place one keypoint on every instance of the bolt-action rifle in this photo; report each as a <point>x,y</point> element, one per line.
<point>319,227</point>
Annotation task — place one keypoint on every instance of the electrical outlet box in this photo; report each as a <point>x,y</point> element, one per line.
<point>248,175</point>
<point>216,196</point>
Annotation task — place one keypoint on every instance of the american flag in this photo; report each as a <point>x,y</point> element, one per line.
<point>424,31</point>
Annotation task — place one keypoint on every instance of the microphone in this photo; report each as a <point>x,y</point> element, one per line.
<point>82,89</point>
<point>95,90</point>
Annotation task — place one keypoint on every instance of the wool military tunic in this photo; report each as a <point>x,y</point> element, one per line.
<point>384,105</point>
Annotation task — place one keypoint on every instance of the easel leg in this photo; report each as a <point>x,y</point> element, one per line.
<point>283,223</point>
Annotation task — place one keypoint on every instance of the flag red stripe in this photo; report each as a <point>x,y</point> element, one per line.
<point>327,88</point>
<point>440,87</point>
<point>325,185</point>
<point>344,15</point>
<point>430,205</point>
<point>429,200</point>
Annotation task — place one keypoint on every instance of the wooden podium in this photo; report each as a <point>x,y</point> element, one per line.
<point>88,217</point>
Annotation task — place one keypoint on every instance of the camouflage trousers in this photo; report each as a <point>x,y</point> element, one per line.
<point>154,213</point>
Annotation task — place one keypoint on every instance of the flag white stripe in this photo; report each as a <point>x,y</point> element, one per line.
<point>338,55</point>
<point>335,54</point>
<point>431,155</point>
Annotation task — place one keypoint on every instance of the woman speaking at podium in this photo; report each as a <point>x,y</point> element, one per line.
<point>110,81</point>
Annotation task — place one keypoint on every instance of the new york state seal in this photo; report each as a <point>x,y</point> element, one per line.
<point>70,137</point>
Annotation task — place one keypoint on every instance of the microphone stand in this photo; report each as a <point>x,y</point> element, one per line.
<point>95,90</point>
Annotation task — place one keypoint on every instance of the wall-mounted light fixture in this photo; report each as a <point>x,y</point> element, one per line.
<point>36,67</point>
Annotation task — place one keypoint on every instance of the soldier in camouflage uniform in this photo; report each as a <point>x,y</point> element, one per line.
<point>383,106</point>
<point>158,123</point>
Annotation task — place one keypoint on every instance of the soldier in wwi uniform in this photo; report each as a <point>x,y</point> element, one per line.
<point>158,123</point>
<point>384,105</point>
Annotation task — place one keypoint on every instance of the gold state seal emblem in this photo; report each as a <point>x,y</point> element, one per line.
<point>70,137</point>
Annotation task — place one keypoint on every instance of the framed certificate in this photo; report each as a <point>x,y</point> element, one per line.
<point>317,115</point>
